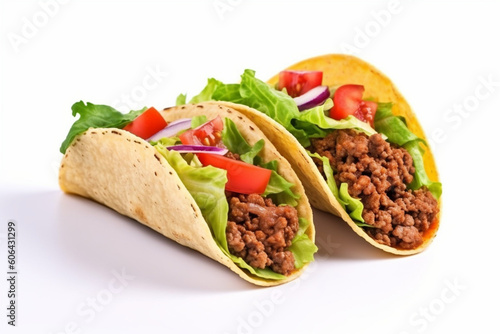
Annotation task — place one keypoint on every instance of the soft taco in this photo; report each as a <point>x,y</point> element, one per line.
<point>202,175</point>
<point>354,142</point>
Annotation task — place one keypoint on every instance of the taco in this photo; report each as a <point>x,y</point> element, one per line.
<point>354,142</point>
<point>202,175</point>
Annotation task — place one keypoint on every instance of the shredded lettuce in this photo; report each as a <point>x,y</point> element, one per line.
<point>96,116</point>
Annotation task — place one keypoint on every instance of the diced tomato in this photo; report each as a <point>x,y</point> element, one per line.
<point>348,100</point>
<point>146,124</point>
<point>242,177</point>
<point>208,134</point>
<point>366,112</point>
<point>299,82</point>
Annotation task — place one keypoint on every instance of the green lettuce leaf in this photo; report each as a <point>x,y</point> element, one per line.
<point>283,109</point>
<point>207,92</point>
<point>181,99</point>
<point>420,178</point>
<point>234,141</point>
<point>330,180</point>
<point>397,132</point>
<point>230,91</point>
<point>167,141</point>
<point>279,189</point>
<point>394,127</point>
<point>196,121</point>
<point>206,185</point>
<point>96,116</point>
<point>302,247</point>
<point>264,273</point>
<point>316,118</point>
<point>353,206</point>
<point>251,155</point>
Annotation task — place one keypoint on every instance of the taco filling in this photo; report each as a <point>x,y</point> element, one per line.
<point>378,173</point>
<point>259,229</point>
<point>260,232</point>
<point>372,163</point>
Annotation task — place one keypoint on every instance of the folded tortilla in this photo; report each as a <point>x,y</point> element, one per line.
<point>124,172</point>
<point>339,70</point>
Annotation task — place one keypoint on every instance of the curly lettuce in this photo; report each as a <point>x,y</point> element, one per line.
<point>96,116</point>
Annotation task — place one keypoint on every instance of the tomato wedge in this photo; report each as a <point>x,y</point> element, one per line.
<point>208,134</point>
<point>146,124</point>
<point>299,82</point>
<point>348,100</point>
<point>242,177</point>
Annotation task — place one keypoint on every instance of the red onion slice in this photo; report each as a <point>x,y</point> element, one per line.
<point>172,129</point>
<point>198,149</point>
<point>312,98</point>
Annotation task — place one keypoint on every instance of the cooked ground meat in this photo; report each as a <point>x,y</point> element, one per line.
<point>259,232</point>
<point>377,173</point>
<point>231,155</point>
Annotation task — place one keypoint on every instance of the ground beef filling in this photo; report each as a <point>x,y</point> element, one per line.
<point>259,232</point>
<point>377,173</point>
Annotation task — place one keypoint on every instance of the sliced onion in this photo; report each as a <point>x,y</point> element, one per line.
<point>198,149</point>
<point>262,211</point>
<point>172,129</point>
<point>312,98</point>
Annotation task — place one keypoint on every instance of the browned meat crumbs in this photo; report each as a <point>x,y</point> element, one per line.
<point>259,232</point>
<point>231,155</point>
<point>377,173</point>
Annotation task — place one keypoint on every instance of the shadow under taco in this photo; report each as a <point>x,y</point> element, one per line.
<point>202,175</point>
<point>354,142</point>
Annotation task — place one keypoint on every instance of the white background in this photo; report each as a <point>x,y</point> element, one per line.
<point>440,54</point>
